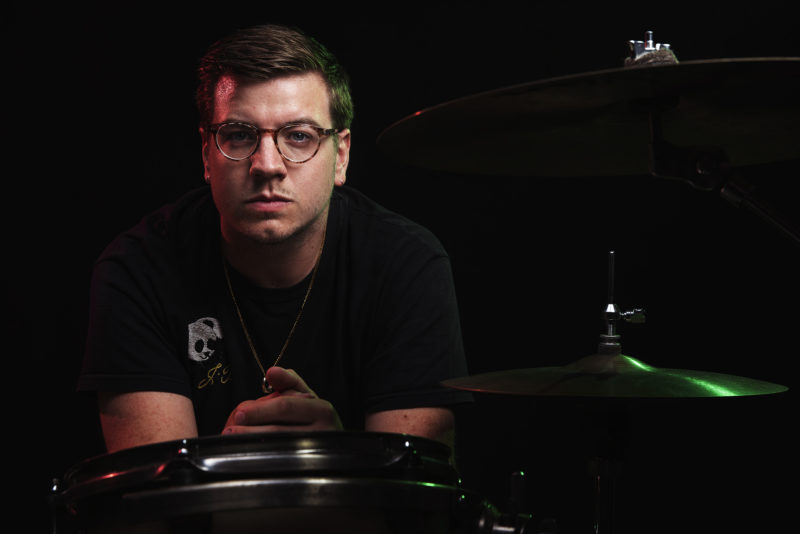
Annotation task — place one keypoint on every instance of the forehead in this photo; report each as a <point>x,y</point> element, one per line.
<point>280,99</point>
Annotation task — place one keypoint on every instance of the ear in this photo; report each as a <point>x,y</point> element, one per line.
<point>342,157</point>
<point>204,152</point>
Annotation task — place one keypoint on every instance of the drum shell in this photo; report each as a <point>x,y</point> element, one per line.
<point>331,482</point>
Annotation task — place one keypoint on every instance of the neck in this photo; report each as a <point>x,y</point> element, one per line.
<point>275,265</point>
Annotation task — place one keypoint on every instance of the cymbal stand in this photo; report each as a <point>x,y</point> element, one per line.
<point>609,342</point>
<point>707,168</point>
<point>603,468</point>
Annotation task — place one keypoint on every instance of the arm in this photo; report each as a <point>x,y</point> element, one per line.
<point>140,418</point>
<point>422,346</point>
<point>432,423</point>
<point>294,406</point>
<point>133,419</point>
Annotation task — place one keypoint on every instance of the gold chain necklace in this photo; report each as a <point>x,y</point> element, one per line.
<point>264,384</point>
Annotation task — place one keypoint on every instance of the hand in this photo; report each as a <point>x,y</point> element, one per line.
<point>292,406</point>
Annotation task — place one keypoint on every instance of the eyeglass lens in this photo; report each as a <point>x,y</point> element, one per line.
<point>296,142</point>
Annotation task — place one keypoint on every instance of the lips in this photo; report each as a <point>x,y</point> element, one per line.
<point>268,203</point>
<point>268,200</point>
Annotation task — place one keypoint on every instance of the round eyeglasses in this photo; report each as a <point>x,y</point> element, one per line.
<point>297,143</point>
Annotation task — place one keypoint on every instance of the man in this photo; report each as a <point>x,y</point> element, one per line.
<point>277,298</point>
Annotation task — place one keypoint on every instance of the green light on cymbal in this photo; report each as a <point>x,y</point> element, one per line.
<point>715,390</point>
<point>613,375</point>
<point>637,363</point>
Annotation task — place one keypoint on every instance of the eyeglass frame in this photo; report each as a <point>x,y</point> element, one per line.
<point>322,132</point>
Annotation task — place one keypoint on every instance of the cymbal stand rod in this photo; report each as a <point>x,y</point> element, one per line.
<point>601,470</point>
<point>610,327</point>
<point>609,342</point>
<point>740,198</point>
<point>604,497</point>
<point>706,168</point>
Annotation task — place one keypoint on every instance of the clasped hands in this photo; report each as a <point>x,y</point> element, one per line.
<point>292,406</point>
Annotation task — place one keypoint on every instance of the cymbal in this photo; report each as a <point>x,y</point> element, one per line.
<point>612,375</point>
<point>597,124</point>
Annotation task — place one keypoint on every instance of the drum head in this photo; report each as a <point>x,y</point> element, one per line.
<point>307,482</point>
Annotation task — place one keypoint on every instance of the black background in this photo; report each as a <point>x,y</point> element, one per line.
<point>104,130</point>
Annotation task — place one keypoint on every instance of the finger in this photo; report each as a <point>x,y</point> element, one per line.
<point>286,409</point>
<point>240,416</point>
<point>286,379</point>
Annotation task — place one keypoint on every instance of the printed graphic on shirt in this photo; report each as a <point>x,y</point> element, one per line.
<point>205,338</point>
<point>206,348</point>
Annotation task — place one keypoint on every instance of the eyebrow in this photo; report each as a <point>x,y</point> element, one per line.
<point>299,120</point>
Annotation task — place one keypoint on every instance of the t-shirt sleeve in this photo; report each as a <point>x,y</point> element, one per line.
<point>417,336</point>
<point>128,347</point>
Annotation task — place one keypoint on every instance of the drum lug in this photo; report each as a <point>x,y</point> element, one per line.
<point>512,521</point>
<point>60,517</point>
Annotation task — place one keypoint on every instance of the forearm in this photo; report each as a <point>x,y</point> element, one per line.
<point>140,418</point>
<point>431,423</point>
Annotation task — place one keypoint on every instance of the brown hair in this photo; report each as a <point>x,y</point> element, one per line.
<point>266,52</point>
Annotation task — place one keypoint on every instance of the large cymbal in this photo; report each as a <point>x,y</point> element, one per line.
<point>597,124</point>
<point>613,375</point>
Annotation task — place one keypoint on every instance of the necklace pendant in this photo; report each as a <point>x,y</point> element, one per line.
<point>265,386</point>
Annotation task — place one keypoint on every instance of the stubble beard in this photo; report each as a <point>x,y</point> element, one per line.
<point>272,234</point>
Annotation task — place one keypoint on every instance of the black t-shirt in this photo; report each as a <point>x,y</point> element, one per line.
<point>380,329</point>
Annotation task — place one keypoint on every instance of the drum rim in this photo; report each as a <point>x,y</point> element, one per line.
<point>259,456</point>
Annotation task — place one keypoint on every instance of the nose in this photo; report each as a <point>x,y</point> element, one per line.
<point>266,161</point>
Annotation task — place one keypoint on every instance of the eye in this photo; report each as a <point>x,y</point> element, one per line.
<point>236,134</point>
<point>299,135</point>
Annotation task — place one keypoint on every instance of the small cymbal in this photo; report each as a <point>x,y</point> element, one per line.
<point>597,124</point>
<point>613,375</point>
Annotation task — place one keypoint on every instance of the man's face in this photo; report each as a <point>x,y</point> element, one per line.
<point>264,198</point>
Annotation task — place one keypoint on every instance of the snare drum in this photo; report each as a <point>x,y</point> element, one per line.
<point>327,482</point>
